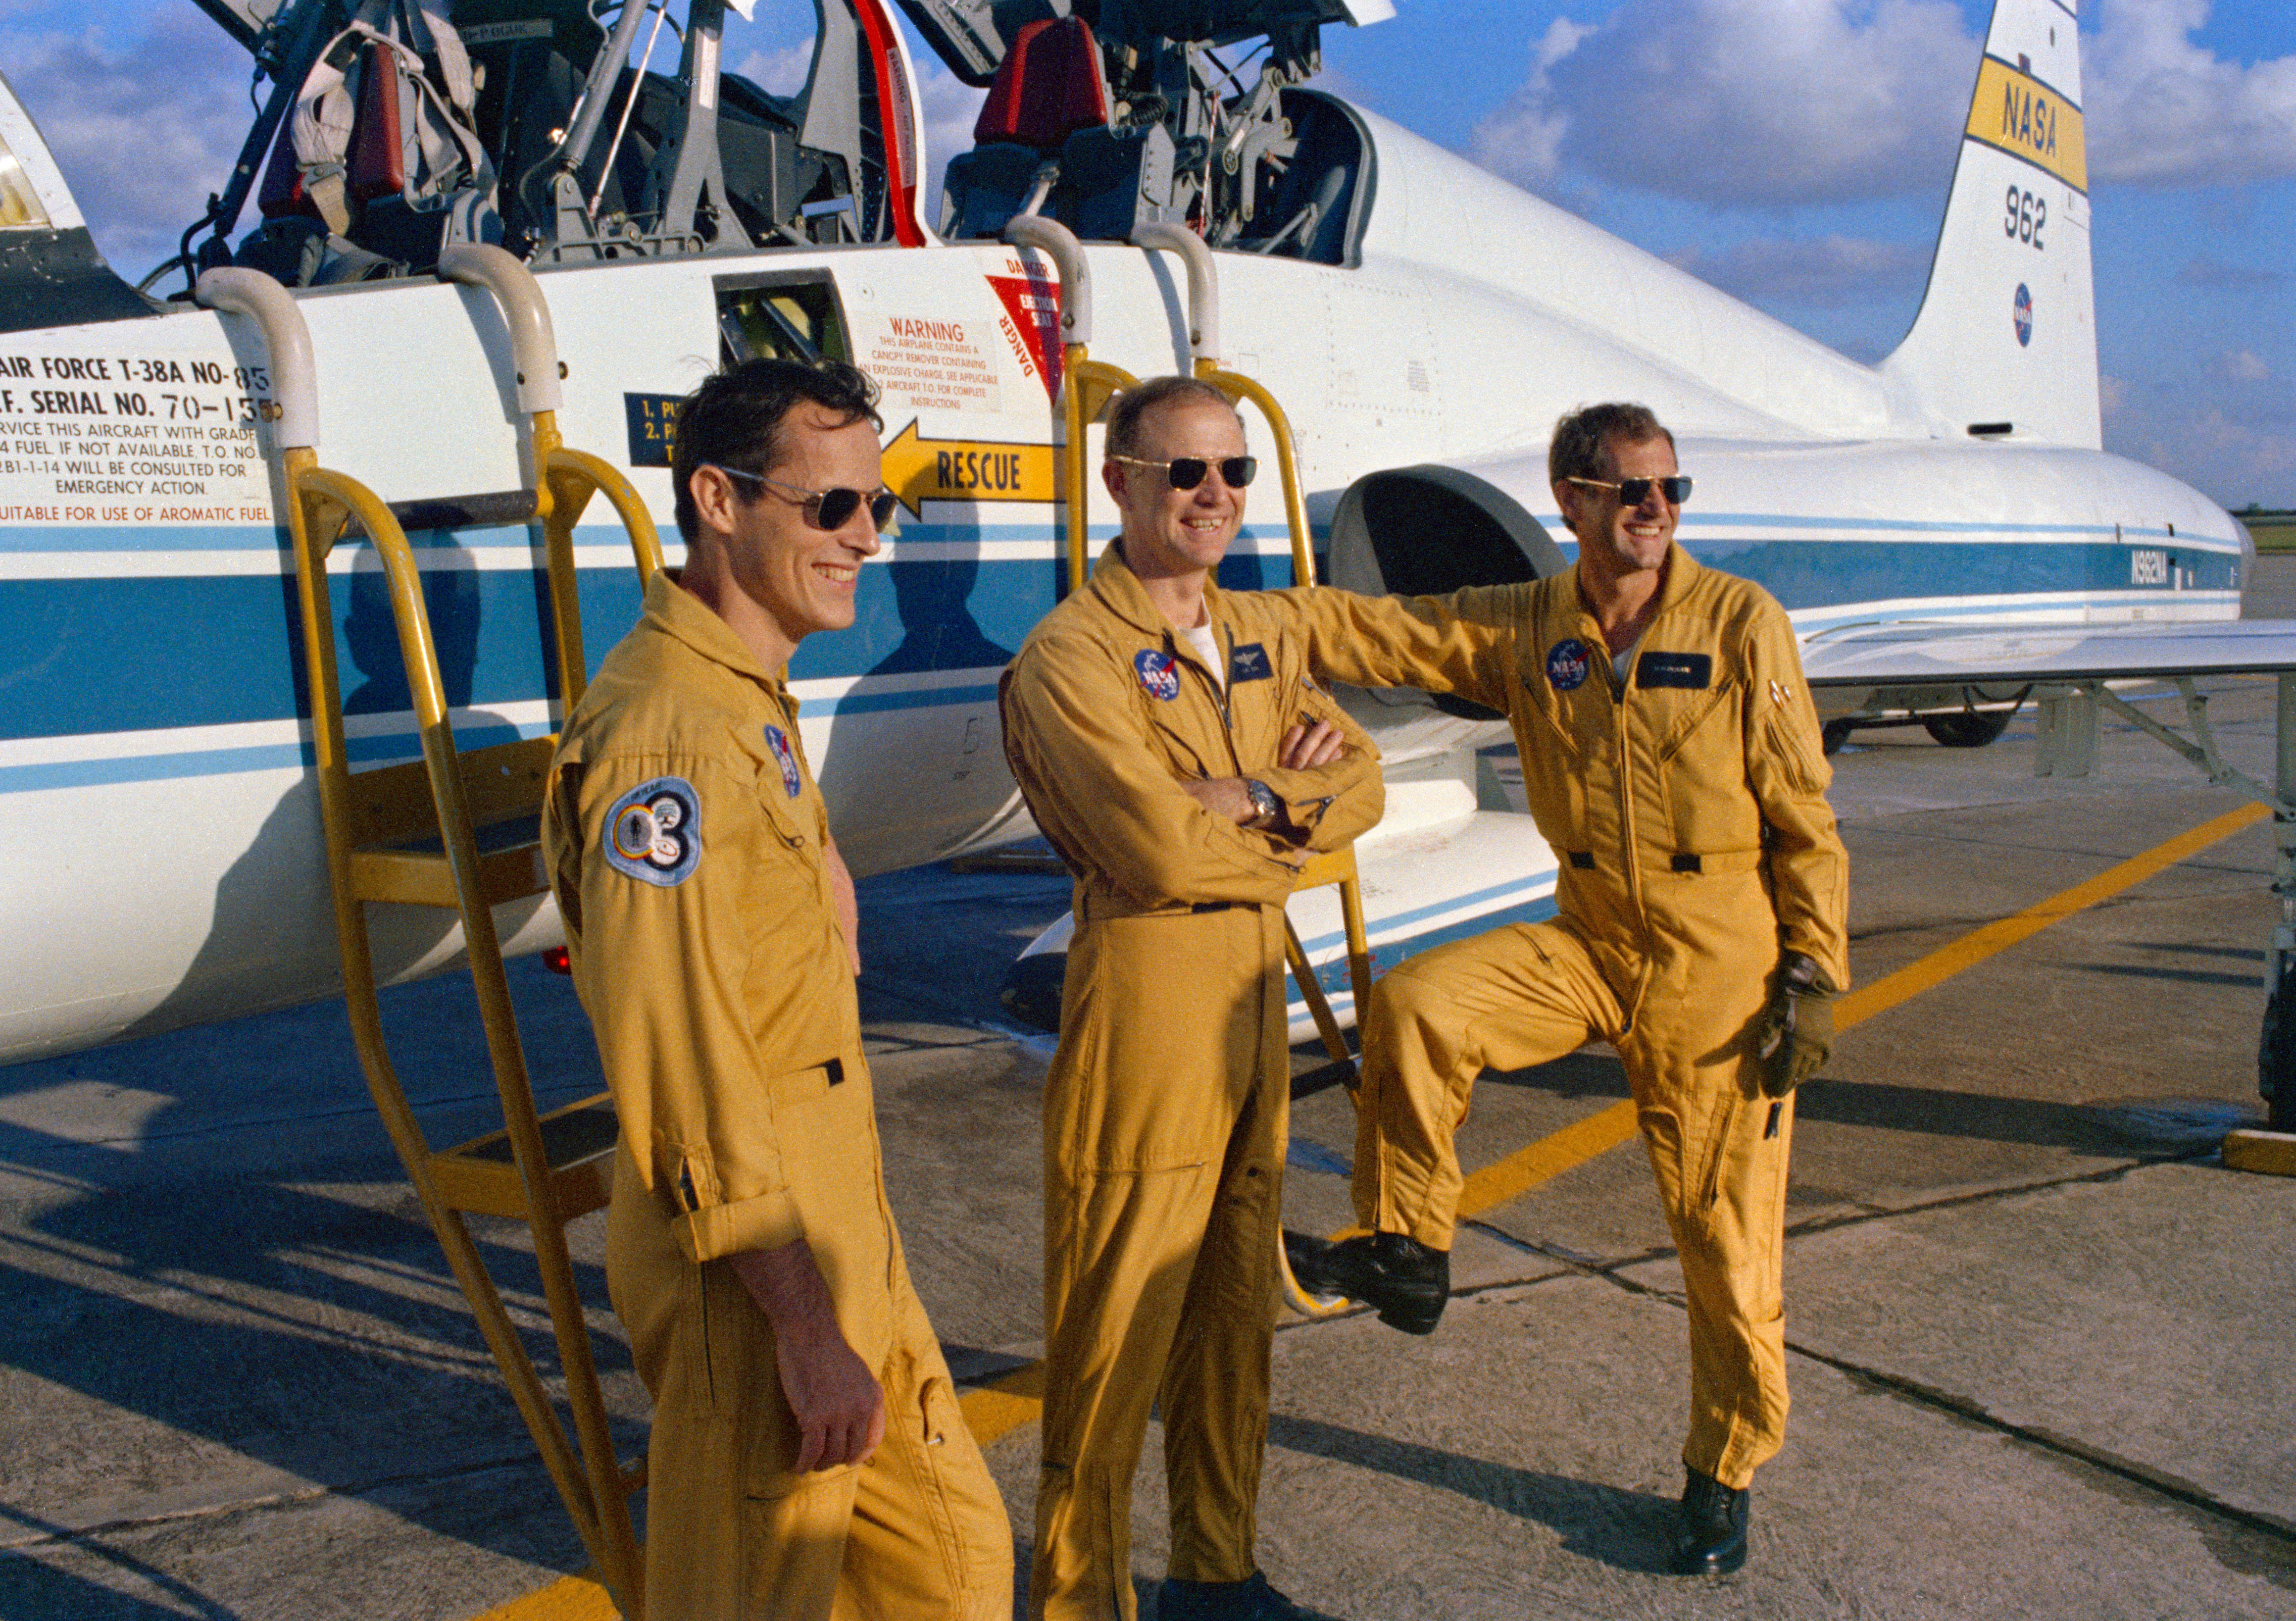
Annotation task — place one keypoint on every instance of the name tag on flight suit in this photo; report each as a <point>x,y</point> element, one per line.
<point>1675,670</point>
<point>1249,662</point>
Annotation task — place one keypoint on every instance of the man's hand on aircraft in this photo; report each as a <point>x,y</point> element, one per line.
<point>1797,1030</point>
<point>839,1405</point>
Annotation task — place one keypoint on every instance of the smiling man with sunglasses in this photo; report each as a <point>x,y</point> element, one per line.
<point>807,1452</point>
<point>1671,758</point>
<point>1176,753</point>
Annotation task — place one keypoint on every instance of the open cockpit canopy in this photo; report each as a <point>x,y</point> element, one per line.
<point>574,131</point>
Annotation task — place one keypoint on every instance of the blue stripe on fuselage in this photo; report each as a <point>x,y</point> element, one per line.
<point>152,653</point>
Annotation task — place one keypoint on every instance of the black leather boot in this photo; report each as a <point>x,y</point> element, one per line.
<point>1247,1601</point>
<point>1713,1537</point>
<point>1407,1282</point>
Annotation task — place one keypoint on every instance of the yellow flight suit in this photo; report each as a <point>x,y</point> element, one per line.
<point>1687,814</point>
<point>1166,1111</point>
<point>685,835</point>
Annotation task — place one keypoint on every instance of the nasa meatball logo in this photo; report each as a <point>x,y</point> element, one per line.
<point>2023,312</point>
<point>778,741</point>
<point>1567,664</point>
<point>1160,678</point>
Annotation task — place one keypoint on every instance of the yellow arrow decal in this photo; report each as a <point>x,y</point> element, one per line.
<point>921,469</point>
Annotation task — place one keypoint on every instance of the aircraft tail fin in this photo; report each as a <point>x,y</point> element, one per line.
<point>2006,337</point>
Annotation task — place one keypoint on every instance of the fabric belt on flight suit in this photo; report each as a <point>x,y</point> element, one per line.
<point>1097,908</point>
<point>1684,862</point>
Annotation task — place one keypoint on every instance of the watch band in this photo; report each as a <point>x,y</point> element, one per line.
<point>1264,801</point>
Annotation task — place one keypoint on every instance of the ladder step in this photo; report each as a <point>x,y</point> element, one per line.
<point>481,1177</point>
<point>415,872</point>
<point>489,510</point>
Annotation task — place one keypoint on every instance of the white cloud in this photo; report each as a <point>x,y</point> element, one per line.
<point>2162,111</point>
<point>950,107</point>
<point>781,71</point>
<point>1787,102</point>
<point>1522,141</point>
<point>2235,460</point>
<point>2243,366</point>
<point>144,125</point>
<point>1825,272</point>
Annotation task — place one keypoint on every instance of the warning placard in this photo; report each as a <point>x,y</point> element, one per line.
<point>930,362</point>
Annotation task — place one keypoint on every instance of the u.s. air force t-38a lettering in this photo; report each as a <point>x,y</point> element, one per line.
<point>1943,526</point>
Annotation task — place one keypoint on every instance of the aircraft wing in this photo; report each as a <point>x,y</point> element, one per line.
<point>1904,655</point>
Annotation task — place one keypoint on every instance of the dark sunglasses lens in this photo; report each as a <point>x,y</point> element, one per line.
<point>834,508</point>
<point>1187,472</point>
<point>882,508</point>
<point>1634,492</point>
<point>1239,471</point>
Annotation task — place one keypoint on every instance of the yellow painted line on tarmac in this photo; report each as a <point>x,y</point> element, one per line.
<point>1972,948</point>
<point>1548,1157</point>
<point>570,1597</point>
<point>994,1410</point>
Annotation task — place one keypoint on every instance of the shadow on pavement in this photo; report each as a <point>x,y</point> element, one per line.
<point>1625,1530</point>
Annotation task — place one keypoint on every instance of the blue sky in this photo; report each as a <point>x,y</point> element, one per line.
<point>1819,204</point>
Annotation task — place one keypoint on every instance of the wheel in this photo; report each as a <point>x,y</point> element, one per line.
<point>1968,729</point>
<point>1836,732</point>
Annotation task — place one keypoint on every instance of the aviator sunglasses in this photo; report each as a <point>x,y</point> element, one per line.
<point>1186,472</point>
<point>1634,492</point>
<point>827,509</point>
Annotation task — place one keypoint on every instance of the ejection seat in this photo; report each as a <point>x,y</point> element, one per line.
<point>1049,95</point>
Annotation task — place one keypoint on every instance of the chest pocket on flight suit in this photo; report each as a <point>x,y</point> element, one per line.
<point>1701,762</point>
<point>1554,757</point>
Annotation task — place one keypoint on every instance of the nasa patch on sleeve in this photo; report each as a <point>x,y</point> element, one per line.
<point>1160,676</point>
<point>653,833</point>
<point>1568,662</point>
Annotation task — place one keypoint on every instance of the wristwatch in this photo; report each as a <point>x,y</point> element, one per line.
<point>1267,807</point>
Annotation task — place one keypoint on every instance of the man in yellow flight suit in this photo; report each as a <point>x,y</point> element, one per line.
<point>1175,750</point>
<point>1672,760</point>
<point>808,1453</point>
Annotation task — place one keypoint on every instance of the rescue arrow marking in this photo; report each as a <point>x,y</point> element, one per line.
<point>921,469</point>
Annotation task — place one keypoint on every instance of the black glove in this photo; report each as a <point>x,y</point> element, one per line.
<point>1796,1036</point>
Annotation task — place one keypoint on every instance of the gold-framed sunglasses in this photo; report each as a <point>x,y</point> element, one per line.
<point>1186,472</point>
<point>1634,492</point>
<point>827,509</point>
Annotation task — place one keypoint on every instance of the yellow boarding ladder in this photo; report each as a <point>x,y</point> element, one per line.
<point>1089,385</point>
<point>461,831</point>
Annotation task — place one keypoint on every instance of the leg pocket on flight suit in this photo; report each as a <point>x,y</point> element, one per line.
<point>828,1138</point>
<point>793,1529</point>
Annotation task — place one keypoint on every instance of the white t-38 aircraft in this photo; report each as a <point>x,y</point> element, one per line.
<point>1943,527</point>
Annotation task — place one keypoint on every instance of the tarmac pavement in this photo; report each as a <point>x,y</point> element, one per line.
<point>2038,1338</point>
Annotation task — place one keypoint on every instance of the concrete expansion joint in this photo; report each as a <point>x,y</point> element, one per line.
<point>2157,1481</point>
<point>2117,1171</point>
<point>69,1537</point>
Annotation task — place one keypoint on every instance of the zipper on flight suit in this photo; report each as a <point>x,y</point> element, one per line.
<point>1630,846</point>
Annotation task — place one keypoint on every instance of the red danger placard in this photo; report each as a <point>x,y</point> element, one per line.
<point>1031,321</point>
